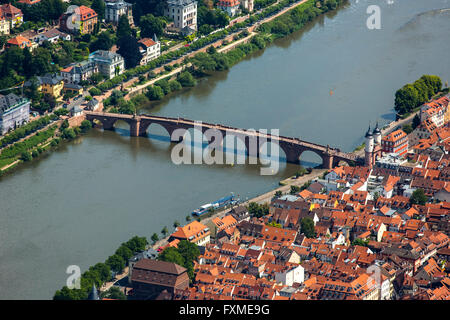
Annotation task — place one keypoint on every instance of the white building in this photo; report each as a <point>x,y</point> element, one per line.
<point>109,64</point>
<point>14,112</point>
<point>183,13</point>
<point>150,49</point>
<point>290,276</point>
<point>231,7</point>
<point>114,9</point>
<point>79,71</point>
<point>52,35</point>
<point>247,5</point>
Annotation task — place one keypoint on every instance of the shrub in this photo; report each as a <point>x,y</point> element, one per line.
<point>186,79</point>
<point>175,85</point>
<point>95,92</point>
<point>155,93</point>
<point>26,156</point>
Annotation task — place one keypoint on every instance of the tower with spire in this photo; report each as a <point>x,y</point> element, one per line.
<point>377,135</point>
<point>373,146</point>
<point>93,295</point>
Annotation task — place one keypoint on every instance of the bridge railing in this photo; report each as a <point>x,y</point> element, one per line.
<point>336,152</point>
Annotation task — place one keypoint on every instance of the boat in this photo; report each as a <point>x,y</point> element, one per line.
<point>222,202</point>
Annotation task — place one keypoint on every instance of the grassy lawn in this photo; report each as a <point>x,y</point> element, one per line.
<point>5,162</point>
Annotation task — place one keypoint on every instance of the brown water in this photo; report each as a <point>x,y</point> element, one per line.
<point>79,203</point>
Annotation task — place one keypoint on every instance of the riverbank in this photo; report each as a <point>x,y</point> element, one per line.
<point>260,199</point>
<point>235,51</point>
<point>255,38</point>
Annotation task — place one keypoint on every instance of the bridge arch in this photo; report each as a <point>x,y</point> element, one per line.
<point>150,128</point>
<point>271,150</point>
<point>108,123</point>
<point>311,159</point>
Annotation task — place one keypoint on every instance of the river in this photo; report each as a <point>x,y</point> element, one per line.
<point>77,204</point>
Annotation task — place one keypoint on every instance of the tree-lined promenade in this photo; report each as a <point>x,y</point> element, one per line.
<point>229,48</point>
<point>193,64</point>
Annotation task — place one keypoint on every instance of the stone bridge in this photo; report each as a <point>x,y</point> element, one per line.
<point>292,147</point>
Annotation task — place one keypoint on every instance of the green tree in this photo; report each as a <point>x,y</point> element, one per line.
<point>307,227</point>
<point>274,224</point>
<point>407,128</point>
<point>171,254</point>
<point>204,62</point>
<point>116,263</point>
<point>186,79</point>
<point>360,242</point>
<point>258,210</point>
<point>26,156</point>
<point>61,112</point>
<point>164,84</point>
<point>154,238</point>
<point>433,82</point>
<point>164,231</point>
<point>211,50</point>
<point>124,252</point>
<point>137,244</point>
<point>176,224</point>
<point>151,25</point>
<point>190,252</point>
<point>123,27</point>
<point>99,7</point>
<point>294,189</point>
<point>68,294</point>
<point>64,124</point>
<point>155,93</point>
<point>103,270</point>
<point>114,293</point>
<point>416,121</point>
<point>188,218</point>
<point>3,40</point>
<point>418,197</point>
<point>278,194</point>
<point>129,50</point>
<point>406,99</point>
<point>69,134</point>
<point>104,42</point>
<point>205,29</point>
<point>174,85</point>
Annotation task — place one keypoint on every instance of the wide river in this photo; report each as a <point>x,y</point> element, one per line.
<point>77,204</point>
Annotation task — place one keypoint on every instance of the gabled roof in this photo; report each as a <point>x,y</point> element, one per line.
<point>10,9</point>
<point>86,13</point>
<point>147,42</point>
<point>190,230</point>
<point>19,40</point>
<point>159,266</point>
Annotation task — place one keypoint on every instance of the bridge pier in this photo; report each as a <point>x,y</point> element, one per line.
<point>134,127</point>
<point>252,147</point>
<point>293,156</point>
<point>108,124</point>
<point>327,161</point>
<point>292,147</point>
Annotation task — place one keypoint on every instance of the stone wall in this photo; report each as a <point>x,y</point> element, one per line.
<point>76,121</point>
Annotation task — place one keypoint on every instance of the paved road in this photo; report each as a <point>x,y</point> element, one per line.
<point>261,199</point>
<point>180,60</point>
<point>391,127</point>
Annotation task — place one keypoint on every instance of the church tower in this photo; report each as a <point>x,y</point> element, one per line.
<point>369,148</point>
<point>377,135</point>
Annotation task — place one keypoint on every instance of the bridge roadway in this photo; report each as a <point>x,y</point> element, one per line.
<point>293,147</point>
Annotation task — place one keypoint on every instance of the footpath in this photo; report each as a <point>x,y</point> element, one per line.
<point>260,199</point>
